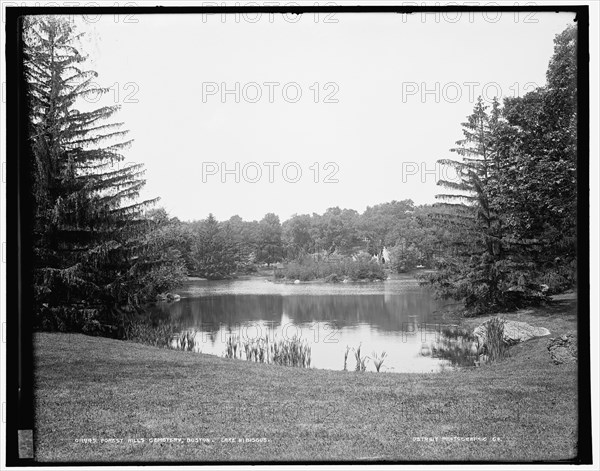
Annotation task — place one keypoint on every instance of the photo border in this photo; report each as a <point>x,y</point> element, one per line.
<point>19,359</point>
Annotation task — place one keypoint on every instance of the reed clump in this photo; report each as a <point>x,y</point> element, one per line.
<point>378,360</point>
<point>495,347</point>
<point>185,340</point>
<point>156,335</point>
<point>346,358</point>
<point>361,360</point>
<point>285,352</point>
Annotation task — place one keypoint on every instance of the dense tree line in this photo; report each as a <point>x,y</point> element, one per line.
<point>513,208</point>
<point>403,233</point>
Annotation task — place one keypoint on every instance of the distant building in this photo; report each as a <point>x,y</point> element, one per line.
<point>385,255</point>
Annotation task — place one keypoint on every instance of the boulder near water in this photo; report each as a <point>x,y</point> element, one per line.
<point>514,332</point>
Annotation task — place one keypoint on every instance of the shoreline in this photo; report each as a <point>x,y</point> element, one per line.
<point>411,275</point>
<point>133,391</point>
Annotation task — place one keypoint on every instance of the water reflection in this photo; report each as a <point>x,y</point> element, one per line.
<point>395,316</point>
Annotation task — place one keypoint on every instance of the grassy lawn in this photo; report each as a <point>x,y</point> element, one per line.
<point>96,388</point>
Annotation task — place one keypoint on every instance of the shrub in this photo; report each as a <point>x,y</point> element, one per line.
<point>77,318</point>
<point>333,278</point>
<point>331,271</point>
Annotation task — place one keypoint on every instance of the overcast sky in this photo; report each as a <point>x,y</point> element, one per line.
<point>381,99</point>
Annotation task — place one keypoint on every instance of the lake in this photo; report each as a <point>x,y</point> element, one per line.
<point>396,316</point>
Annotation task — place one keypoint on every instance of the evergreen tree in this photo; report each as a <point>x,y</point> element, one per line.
<point>479,270</point>
<point>270,245</point>
<point>214,251</point>
<point>466,207</point>
<point>240,234</point>
<point>90,236</point>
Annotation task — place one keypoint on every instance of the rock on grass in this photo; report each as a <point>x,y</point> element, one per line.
<point>563,349</point>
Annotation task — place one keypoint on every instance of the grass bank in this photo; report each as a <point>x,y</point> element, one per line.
<point>95,388</point>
